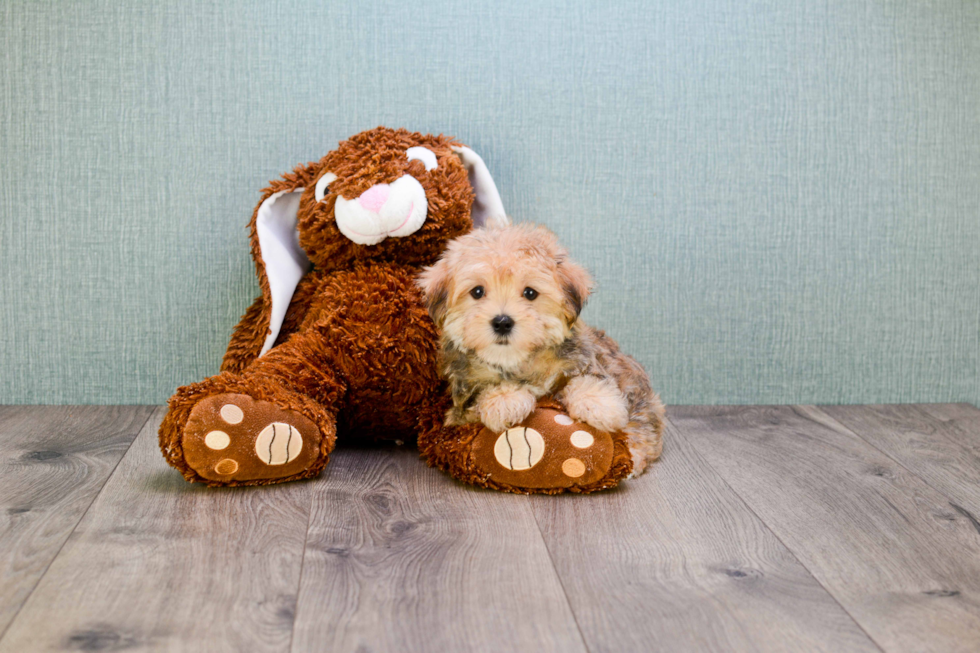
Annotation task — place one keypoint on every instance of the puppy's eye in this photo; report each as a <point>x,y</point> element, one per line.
<point>530,294</point>
<point>323,186</point>
<point>477,292</point>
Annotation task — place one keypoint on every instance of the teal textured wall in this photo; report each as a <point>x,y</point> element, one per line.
<point>780,200</point>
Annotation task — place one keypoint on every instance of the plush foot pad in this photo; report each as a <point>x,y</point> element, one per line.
<point>548,450</point>
<point>232,437</point>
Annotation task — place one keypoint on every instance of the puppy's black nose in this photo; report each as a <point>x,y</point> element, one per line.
<point>502,324</point>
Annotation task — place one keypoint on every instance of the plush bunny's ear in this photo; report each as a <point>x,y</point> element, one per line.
<point>487,209</point>
<point>284,260</point>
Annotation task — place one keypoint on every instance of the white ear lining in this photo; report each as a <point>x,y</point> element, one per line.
<point>487,209</point>
<point>285,261</point>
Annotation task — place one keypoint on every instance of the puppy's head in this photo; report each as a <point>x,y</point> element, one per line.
<point>504,292</point>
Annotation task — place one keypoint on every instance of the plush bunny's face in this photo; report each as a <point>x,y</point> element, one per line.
<point>387,195</point>
<point>391,208</point>
<point>383,195</point>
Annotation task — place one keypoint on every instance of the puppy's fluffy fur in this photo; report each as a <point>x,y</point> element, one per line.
<point>496,375</point>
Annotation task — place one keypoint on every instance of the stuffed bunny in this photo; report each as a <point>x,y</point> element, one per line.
<point>340,343</point>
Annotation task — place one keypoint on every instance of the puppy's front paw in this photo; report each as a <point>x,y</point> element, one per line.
<point>597,402</point>
<point>503,406</point>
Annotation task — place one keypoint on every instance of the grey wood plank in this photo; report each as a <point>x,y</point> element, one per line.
<point>53,462</point>
<point>927,440</point>
<point>675,561</point>
<point>884,543</point>
<point>402,558</point>
<point>961,422</point>
<point>160,564</point>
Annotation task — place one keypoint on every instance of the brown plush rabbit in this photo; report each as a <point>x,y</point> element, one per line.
<point>340,344</point>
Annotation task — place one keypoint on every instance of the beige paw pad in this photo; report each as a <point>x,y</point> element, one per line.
<point>226,467</point>
<point>232,414</point>
<point>582,439</point>
<point>573,467</point>
<point>564,420</point>
<point>519,448</point>
<point>217,440</point>
<point>278,443</point>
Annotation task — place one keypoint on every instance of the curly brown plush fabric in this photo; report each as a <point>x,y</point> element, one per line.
<point>356,354</point>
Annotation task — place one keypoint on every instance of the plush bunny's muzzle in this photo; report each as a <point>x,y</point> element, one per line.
<point>397,209</point>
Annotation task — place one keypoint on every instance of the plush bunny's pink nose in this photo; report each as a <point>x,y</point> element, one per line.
<point>374,197</point>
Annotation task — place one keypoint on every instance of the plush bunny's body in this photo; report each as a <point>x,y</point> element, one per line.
<point>339,343</point>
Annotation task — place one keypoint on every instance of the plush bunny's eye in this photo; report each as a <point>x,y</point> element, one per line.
<point>423,154</point>
<point>323,186</point>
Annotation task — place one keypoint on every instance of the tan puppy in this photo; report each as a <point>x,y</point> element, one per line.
<point>507,301</point>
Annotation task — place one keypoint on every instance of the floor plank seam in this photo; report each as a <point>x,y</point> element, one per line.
<point>942,433</point>
<point>561,582</point>
<point>704,459</point>
<point>950,500</point>
<point>302,565</point>
<point>81,518</point>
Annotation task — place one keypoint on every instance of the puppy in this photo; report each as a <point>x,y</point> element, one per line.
<point>506,301</point>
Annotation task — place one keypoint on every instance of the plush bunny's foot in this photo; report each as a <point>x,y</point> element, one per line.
<point>232,438</point>
<point>550,452</point>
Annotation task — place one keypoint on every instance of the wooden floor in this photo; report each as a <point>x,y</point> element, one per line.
<point>763,528</point>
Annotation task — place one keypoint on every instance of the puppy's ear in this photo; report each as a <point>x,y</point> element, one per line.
<point>434,282</point>
<point>576,284</point>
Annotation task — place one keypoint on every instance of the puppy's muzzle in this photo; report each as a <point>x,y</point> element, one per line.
<point>502,324</point>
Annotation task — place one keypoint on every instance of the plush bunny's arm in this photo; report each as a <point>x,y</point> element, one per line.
<point>246,340</point>
<point>251,331</point>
